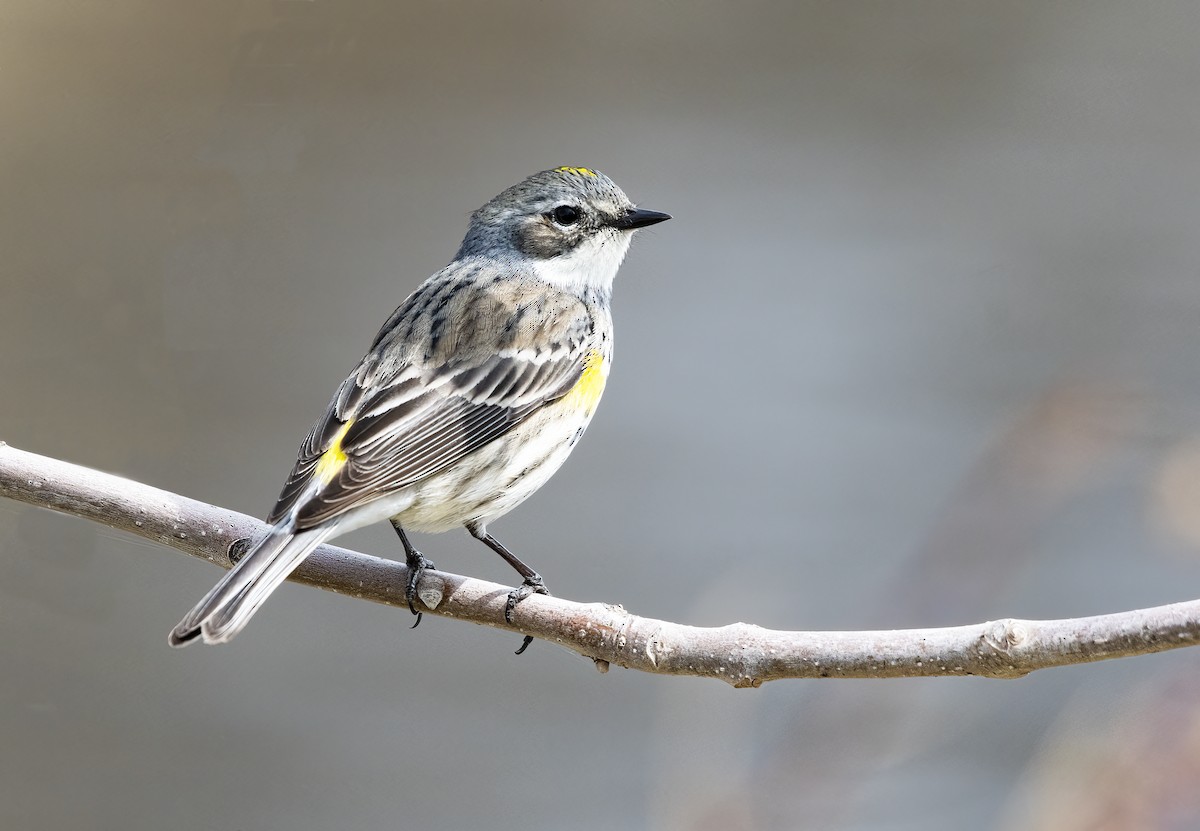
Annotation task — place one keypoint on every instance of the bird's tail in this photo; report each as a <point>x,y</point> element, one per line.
<point>227,609</point>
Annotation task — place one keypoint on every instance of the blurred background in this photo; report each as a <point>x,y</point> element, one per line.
<point>943,256</point>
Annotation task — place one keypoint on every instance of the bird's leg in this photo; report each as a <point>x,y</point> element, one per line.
<point>533,583</point>
<point>416,563</point>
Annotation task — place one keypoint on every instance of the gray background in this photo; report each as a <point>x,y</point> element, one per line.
<point>919,348</point>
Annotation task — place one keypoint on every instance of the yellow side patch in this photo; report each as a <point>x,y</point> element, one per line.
<point>578,171</point>
<point>585,395</point>
<point>331,460</point>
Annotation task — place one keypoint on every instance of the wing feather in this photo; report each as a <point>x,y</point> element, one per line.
<point>396,422</point>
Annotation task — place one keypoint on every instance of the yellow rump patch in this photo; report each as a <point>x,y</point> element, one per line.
<point>578,171</point>
<point>334,458</point>
<point>585,395</point>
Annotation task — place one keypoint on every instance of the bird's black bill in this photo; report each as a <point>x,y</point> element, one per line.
<point>638,218</point>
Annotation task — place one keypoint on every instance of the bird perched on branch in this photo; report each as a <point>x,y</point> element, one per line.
<point>471,396</point>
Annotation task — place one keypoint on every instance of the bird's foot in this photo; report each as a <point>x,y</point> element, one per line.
<point>417,563</point>
<point>532,585</point>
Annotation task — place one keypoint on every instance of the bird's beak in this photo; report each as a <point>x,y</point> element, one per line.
<point>639,218</point>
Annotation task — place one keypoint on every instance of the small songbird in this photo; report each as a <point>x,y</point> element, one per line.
<point>471,396</point>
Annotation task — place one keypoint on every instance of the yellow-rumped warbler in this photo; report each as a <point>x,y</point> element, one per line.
<point>471,396</point>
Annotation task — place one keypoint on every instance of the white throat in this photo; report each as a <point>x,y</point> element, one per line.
<point>592,265</point>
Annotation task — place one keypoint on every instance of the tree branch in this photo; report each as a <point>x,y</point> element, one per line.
<point>741,654</point>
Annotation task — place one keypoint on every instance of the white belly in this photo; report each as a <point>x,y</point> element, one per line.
<point>499,476</point>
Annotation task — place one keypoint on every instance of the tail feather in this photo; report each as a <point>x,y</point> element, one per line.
<point>226,610</point>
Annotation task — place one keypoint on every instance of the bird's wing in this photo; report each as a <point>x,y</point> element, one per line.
<point>422,400</point>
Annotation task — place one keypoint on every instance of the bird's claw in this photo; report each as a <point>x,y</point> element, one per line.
<point>532,585</point>
<point>416,563</point>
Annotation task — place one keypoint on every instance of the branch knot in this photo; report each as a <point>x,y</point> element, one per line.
<point>1006,635</point>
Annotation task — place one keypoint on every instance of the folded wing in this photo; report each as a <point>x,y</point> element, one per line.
<point>391,425</point>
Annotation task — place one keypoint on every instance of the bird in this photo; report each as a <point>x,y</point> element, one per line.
<point>470,397</point>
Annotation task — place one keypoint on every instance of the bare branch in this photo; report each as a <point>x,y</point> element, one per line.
<point>741,654</point>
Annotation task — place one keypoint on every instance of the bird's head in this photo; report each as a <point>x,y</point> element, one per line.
<point>572,225</point>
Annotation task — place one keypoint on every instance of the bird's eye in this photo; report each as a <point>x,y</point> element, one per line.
<point>565,215</point>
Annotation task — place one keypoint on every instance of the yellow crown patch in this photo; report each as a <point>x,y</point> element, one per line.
<point>578,171</point>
